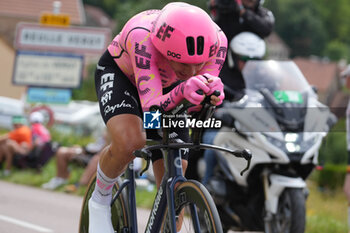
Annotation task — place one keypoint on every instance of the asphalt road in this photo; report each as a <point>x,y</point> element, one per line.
<point>25,209</point>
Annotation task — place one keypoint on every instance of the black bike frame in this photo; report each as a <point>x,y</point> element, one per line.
<point>164,197</point>
<point>173,174</point>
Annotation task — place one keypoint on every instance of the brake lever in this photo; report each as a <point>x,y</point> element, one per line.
<point>247,155</point>
<point>146,155</point>
<point>146,168</point>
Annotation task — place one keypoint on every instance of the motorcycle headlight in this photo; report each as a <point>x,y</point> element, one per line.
<point>292,147</point>
<point>292,142</point>
<point>291,137</point>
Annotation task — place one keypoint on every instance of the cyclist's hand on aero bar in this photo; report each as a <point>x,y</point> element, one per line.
<point>191,87</point>
<point>215,84</point>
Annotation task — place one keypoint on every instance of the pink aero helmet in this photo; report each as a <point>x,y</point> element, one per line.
<point>185,33</point>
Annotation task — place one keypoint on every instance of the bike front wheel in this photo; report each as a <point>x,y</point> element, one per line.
<point>119,210</point>
<point>195,210</point>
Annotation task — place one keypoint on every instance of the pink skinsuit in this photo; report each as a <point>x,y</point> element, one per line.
<point>147,69</point>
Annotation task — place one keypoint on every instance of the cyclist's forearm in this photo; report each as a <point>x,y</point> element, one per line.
<point>165,102</point>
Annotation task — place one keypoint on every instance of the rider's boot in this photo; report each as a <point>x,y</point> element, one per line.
<point>99,218</point>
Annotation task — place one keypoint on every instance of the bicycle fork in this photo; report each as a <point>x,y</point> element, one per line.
<point>129,184</point>
<point>165,194</point>
<point>173,164</point>
<point>164,198</point>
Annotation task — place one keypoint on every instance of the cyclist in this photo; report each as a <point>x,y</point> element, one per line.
<point>160,57</point>
<point>245,46</point>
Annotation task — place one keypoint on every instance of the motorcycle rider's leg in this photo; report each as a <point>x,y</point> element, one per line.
<point>127,135</point>
<point>210,163</point>
<point>209,156</point>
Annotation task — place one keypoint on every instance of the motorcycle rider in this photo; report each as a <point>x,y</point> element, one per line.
<point>234,17</point>
<point>346,75</point>
<point>245,46</point>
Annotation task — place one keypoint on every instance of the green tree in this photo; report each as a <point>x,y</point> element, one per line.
<point>299,24</point>
<point>337,50</point>
<point>123,10</point>
<point>314,27</point>
<point>87,89</point>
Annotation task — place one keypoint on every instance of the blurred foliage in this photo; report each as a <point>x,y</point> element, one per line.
<point>309,27</point>
<point>123,10</point>
<point>298,23</point>
<point>87,90</point>
<point>333,157</point>
<point>313,27</point>
<point>331,177</point>
<point>337,50</point>
<point>70,139</point>
<point>333,148</point>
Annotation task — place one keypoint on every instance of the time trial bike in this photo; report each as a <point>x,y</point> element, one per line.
<point>180,205</point>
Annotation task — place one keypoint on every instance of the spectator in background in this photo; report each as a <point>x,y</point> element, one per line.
<point>82,155</point>
<point>40,134</point>
<point>90,171</point>
<point>18,141</point>
<point>85,178</point>
<point>346,75</point>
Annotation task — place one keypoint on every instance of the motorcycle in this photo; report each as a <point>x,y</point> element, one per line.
<point>280,120</point>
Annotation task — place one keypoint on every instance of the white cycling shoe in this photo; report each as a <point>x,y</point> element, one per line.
<point>99,218</point>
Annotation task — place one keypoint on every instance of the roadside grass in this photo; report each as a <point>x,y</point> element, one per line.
<point>326,210</point>
<point>32,177</point>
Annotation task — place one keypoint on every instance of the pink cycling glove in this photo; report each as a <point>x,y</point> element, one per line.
<point>215,83</point>
<point>192,85</point>
<point>187,90</point>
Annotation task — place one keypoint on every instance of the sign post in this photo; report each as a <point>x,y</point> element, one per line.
<point>49,55</point>
<point>48,69</point>
<point>55,19</point>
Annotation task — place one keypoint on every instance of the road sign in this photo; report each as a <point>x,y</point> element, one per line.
<point>48,95</point>
<point>47,69</point>
<point>55,19</point>
<point>81,40</point>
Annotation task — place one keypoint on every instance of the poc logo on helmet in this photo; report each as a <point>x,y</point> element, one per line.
<point>172,54</point>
